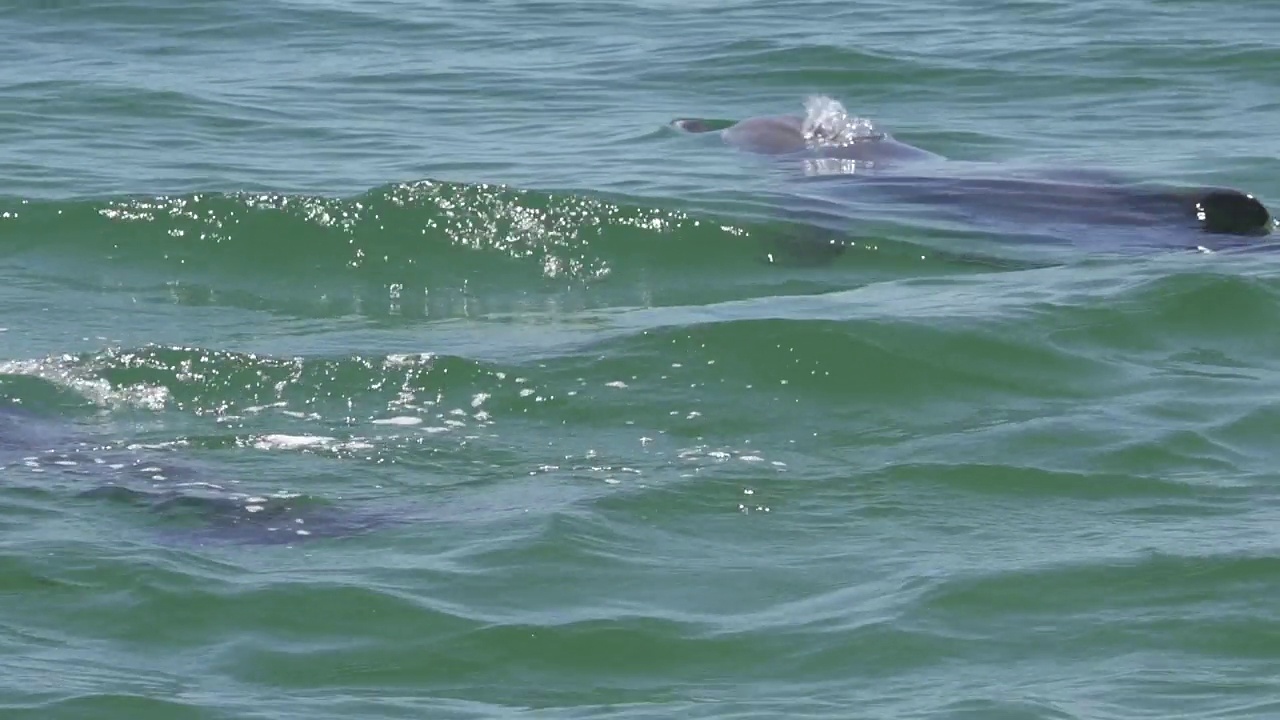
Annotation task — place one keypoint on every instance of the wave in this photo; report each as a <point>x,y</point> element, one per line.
<point>401,226</point>
<point>439,249</point>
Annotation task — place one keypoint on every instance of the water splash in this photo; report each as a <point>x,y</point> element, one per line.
<point>827,124</point>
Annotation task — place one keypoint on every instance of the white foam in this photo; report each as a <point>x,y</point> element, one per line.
<point>279,441</point>
<point>211,486</point>
<point>827,123</point>
<point>400,360</point>
<point>67,371</point>
<point>399,420</point>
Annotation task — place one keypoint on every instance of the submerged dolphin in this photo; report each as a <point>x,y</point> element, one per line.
<point>828,144</point>
<point>38,451</point>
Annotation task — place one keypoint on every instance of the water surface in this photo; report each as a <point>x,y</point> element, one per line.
<point>438,281</point>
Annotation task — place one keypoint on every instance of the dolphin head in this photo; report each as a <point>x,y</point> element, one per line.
<point>826,132</point>
<point>768,135</point>
<point>824,129</point>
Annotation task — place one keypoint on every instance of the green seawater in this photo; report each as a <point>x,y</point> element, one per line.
<point>388,359</point>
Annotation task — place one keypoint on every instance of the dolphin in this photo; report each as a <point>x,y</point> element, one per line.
<point>827,145</point>
<point>195,503</point>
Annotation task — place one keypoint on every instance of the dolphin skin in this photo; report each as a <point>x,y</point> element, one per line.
<point>857,162</point>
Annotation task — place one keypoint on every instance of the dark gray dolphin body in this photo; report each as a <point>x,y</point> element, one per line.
<point>877,170</point>
<point>195,503</point>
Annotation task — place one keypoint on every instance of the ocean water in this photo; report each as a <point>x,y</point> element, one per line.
<point>389,359</point>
